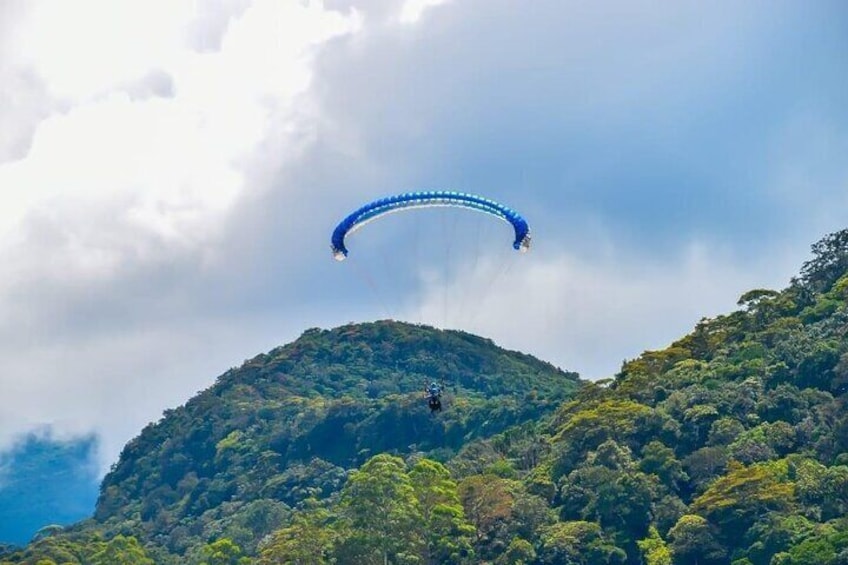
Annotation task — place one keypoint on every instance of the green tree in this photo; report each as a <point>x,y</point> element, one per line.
<point>738,499</point>
<point>487,500</point>
<point>704,465</point>
<point>658,459</point>
<point>578,543</point>
<point>307,541</point>
<point>120,549</point>
<point>585,429</point>
<point>611,490</point>
<point>776,533</point>
<point>446,531</point>
<point>519,552</point>
<point>530,514</point>
<point>221,552</point>
<point>654,549</point>
<point>829,262</point>
<point>724,431</point>
<point>693,542</point>
<point>380,506</point>
<point>816,551</point>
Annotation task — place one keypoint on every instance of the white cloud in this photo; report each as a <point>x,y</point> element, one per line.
<point>84,48</point>
<point>588,315</point>
<point>112,218</point>
<point>113,384</point>
<point>412,9</point>
<point>181,155</point>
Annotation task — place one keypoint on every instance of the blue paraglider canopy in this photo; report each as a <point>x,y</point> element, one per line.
<point>409,200</point>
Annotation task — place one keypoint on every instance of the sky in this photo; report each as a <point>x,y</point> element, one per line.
<point>170,173</point>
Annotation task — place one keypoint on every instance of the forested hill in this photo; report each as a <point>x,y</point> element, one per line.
<point>288,425</point>
<point>729,447</point>
<point>330,399</point>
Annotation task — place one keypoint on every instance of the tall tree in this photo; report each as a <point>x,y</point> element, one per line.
<point>121,549</point>
<point>738,499</point>
<point>829,262</point>
<point>488,502</point>
<point>307,541</point>
<point>693,542</point>
<point>654,549</point>
<point>446,531</point>
<point>383,513</point>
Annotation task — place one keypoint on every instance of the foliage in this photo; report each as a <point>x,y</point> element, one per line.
<point>381,510</point>
<point>82,549</point>
<point>654,549</point>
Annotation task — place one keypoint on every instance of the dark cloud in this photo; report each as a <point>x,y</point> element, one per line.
<point>657,123</point>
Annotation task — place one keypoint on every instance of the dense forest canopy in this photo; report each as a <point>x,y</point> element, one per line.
<point>730,446</point>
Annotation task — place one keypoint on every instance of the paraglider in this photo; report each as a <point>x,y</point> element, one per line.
<point>427,199</point>
<point>434,397</point>
<point>409,200</point>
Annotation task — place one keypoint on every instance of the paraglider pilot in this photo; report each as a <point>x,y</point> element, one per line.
<point>434,397</point>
